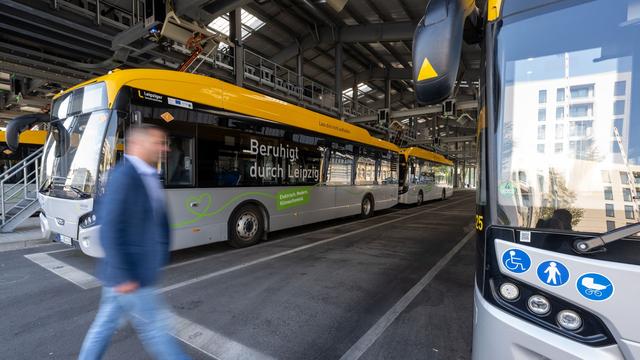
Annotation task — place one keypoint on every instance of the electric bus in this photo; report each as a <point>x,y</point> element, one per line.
<point>558,256</point>
<point>240,163</point>
<point>424,175</point>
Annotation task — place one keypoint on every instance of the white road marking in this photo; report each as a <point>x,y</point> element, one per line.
<point>64,270</point>
<point>60,250</point>
<point>370,337</point>
<point>294,250</point>
<point>213,343</point>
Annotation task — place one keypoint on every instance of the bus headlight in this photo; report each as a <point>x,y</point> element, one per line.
<point>569,320</point>
<point>539,305</point>
<point>509,291</point>
<point>88,220</point>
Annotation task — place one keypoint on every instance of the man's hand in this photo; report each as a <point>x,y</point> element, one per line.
<point>127,287</point>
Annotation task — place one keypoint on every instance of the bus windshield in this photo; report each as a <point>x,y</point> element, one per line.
<point>71,170</point>
<point>568,144</point>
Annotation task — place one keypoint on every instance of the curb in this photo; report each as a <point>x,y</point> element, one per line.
<point>23,244</point>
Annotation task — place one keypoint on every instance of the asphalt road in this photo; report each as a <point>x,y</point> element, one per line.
<point>396,286</point>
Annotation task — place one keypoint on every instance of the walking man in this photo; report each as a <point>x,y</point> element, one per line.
<point>134,234</point>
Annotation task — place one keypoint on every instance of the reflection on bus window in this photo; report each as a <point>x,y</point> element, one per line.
<point>178,167</point>
<point>577,155</point>
<point>365,171</point>
<point>340,168</point>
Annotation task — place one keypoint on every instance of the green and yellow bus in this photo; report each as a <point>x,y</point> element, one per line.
<point>241,164</point>
<point>424,175</point>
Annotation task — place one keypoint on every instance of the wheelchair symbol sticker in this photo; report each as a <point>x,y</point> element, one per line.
<point>553,273</point>
<point>516,260</point>
<point>594,286</point>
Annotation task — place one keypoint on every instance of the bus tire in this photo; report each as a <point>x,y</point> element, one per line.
<point>367,207</point>
<point>420,198</point>
<point>246,226</point>
<point>444,194</point>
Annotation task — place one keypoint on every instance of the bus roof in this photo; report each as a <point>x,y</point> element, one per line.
<point>426,155</point>
<point>36,137</point>
<point>213,92</point>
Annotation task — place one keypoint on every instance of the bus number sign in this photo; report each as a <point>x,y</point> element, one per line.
<point>479,222</point>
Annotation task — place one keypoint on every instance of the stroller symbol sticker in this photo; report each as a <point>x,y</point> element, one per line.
<point>516,260</point>
<point>595,287</point>
<point>553,273</point>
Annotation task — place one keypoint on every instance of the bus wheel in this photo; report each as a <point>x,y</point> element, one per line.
<point>366,209</point>
<point>420,198</point>
<point>246,226</point>
<point>444,194</point>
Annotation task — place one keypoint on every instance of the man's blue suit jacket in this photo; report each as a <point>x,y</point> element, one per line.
<point>134,234</point>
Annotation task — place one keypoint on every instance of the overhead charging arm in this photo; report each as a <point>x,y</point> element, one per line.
<point>437,48</point>
<point>20,124</point>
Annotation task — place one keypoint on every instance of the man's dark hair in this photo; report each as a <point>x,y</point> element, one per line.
<point>142,129</point>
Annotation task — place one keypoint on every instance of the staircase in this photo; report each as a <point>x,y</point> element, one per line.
<point>18,191</point>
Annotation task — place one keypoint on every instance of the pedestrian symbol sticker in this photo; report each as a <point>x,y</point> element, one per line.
<point>553,273</point>
<point>516,260</point>
<point>595,287</point>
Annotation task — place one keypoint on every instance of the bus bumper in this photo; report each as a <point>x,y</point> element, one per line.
<point>89,241</point>
<point>498,335</point>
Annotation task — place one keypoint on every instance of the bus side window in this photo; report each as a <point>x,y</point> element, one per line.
<point>340,168</point>
<point>365,168</point>
<point>414,171</point>
<point>178,163</point>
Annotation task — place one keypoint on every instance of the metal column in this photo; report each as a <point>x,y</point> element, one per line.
<point>354,95</point>
<point>387,94</point>
<point>300,70</point>
<point>235,35</point>
<point>338,89</point>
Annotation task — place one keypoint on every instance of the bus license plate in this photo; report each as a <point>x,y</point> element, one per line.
<point>64,239</point>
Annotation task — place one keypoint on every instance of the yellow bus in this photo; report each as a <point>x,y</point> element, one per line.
<point>30,142</point>
<point>424,175</point>
<point>240,164</point>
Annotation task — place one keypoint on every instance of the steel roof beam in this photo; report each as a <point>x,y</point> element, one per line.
<point>350,34</point>
<point>206,11</point>
<point>426,110</point>
<point>381,74</point>
<point>30,71</point>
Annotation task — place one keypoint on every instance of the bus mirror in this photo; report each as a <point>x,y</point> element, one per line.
<point>437,47</point>
<point>20,124</point>
<point>61,136</point>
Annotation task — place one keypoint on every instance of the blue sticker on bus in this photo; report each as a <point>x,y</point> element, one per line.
<point>553,273</point>
<point>516,260</point>
<point>595,287</point>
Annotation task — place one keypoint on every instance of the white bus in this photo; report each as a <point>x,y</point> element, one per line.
<point>241,164</point>
<point>424,175</point>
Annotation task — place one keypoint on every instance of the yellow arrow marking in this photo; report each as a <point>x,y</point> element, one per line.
<point>426,71</point>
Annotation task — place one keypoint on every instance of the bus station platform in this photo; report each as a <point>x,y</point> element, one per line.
<point>26,235</point>
<point>398,285</point>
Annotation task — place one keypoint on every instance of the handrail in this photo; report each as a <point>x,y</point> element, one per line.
<point>19,165</point>
<point>29,178</point>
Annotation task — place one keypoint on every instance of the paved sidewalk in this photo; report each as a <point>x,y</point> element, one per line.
<point>25,235</point>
